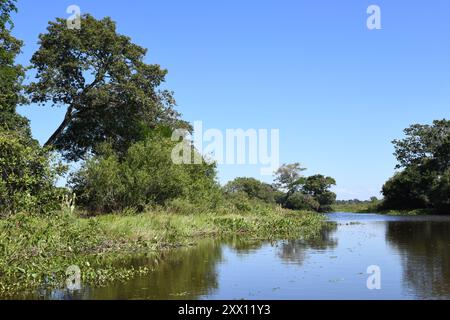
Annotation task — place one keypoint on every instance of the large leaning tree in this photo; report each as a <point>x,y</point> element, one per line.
<point>100,76</point>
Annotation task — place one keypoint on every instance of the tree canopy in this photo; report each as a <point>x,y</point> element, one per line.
<point>100,76</point>
<point>425,143</point>
<point>288,176</point>
<point>424,157</point>
<point>304,193</point>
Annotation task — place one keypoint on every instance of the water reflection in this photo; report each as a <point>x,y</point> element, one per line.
<point>185,273</point>
<point>243,246</point>
<point>296,251</point>
<point>424,247</point>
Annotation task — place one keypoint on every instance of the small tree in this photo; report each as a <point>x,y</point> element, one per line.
<point>288,177</point>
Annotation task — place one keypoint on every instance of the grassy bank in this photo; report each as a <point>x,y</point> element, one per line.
<point>412,212</point>
<point>369,207</point>
<point>361,207</point>
<point>37,250</point>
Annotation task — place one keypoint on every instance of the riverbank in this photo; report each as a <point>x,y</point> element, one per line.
<point>37,250</point>
<point>369,207</point>
<point>361,207</point>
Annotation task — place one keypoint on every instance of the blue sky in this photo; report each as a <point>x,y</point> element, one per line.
<point>338,92</point>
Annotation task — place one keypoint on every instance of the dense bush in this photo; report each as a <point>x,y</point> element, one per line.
<point>146,175</point>
<point>253,188</point>
<point>301,201</point>
<point>27,176</point>
<point>408,189</point>
<point>239,201</point>
<point>326,200</point>
<point>440,194</point>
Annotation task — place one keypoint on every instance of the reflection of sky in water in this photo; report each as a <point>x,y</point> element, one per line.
<point>294,271</point>
<point>338,271</point>
<point>412,252</point>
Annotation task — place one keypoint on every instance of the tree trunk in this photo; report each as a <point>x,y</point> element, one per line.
<point>62,126</point>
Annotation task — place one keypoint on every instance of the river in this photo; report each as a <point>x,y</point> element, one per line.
<point>412,254</point>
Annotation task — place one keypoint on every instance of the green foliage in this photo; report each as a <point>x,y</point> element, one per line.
<point>440,194</point>
<point>425,143</point>
<point>253,188</point>
<point>357,206</point>
<point>110,93</point>
<point>301,201</point>
<point>317,184</point>
<point>11,75</point>
<point>408,189</point>
<point>240,200</point>
<point>326,201</point>
<point>288,176</point>
<point>304,193</point>
<point>318,187</point>
<point>424,156</point>
<point>38,249</point>
<point>145,176</point>
<point>27,176</point>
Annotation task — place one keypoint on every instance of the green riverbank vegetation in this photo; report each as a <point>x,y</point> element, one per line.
<point>423,182</point>
<point>357,206</point>
<point>126,195</point>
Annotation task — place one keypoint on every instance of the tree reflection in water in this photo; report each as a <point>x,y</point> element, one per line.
<point>185,273</point>
<point>294,251</point>
<point>424,247</point>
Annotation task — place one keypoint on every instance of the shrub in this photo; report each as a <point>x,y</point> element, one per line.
<point>300,201</point>
<point>240,201</point>
<point>440,195</point>
<point>28,176</point>
<point>409,189</point>
<point>146,175</point>
<point>325,200</point>
<point>254,189</point>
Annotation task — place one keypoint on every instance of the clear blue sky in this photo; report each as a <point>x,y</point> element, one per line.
<point>338,92</point>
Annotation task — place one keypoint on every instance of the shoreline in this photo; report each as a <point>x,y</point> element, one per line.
<point>370,208</point>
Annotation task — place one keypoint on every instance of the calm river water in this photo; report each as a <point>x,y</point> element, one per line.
<point>413,254</point>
